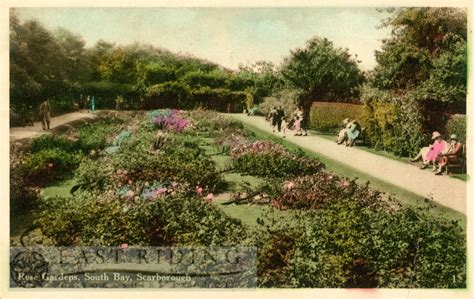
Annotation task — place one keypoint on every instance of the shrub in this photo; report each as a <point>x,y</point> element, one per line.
<point>93,136</point>
<point>287,99</point>
<point>319,190</point>
<point>48,141</point>
<point>212,122</point>
<point>89,219</point>
<point>92,175</point>
<point>328,117</point>
<point>457,125</point>
<point>48,165</point>
<point>350,245</point>
<point>393,122</point>
<point>167,119</point>
<point>180,160</point>
<point>267,159</point>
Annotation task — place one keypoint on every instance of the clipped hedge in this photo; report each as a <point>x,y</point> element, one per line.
<point>328,117</point>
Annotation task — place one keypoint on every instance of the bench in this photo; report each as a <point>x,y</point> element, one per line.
<point>457,161</point>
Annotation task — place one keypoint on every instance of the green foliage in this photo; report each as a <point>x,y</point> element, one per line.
<point>48,165</point>
<point>267,159</point>
<point>327,117</point>
<point>393,123</point>
<point>457,125</point>
<point>90,219</point>
<point>93,136</point>
<point>351,245</point>
<point>178,160</point>
<point>92,175</point>
<point>49,141</point>
<point>323,71</point>
<point>286,98</point>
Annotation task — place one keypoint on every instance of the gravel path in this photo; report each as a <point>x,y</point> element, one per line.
<point>22,133</point>
<point>447,191</point>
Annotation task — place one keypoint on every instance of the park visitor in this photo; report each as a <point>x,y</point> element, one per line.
<point>297,126</point>
<point>273,118</point>
<point>45,114</point>
<point>342,136</point>
<point>303,122</point>
<point>435,149</point>
<point>452,150</point>
<point>352,132</point>
<point>280,114</point>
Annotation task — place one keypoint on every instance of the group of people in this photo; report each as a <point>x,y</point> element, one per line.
<point>281,122</point>
<point>349,133</point>
<point>439,153</point>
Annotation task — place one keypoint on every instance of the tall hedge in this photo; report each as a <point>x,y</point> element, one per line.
<point>326,116</point>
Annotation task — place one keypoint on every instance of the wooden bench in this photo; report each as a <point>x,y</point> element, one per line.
<point>457,161</point>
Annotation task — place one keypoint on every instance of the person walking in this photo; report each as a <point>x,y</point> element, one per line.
<point>273,118</point>
<point>45,114</point>
<point>280,114</point>
<point>303,121</point>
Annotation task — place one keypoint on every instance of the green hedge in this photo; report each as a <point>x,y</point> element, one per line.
<point>457,125</point>
<point>328,117</point>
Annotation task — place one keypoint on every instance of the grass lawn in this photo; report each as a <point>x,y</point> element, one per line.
<point>405,197</point>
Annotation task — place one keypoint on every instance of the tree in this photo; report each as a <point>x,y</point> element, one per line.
<point>323,72</point>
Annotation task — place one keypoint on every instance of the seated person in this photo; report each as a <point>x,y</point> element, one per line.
<point>352,133</point>
<point>342,136</point>
<point>438,146</point>
<point>449,154</point>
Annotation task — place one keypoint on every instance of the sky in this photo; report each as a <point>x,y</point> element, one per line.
<point>227,36</point>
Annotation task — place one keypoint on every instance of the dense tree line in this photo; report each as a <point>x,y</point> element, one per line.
<point>422,66</point>
<point>420,79</point>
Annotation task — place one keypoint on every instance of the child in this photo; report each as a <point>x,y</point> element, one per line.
<point>297,126</point>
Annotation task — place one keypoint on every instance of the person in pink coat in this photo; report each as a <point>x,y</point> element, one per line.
<point>435,150</point>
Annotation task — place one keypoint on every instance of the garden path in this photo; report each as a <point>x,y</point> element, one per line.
<point>22,133</point>
<point>447,191</point>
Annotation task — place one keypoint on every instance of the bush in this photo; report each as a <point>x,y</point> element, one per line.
<point>93,136</point>
<point>457,125</point>
<point>48,141</point>
<point>180,160</point>
<point>267,159</point>
<point>92,175</point>
<point>319,190</point>
<point>48,165</point>
<point>393,123</point>
<point>287,99</point>
<point>351,245</point>
<point>328,117</point>
<point>106,220</point>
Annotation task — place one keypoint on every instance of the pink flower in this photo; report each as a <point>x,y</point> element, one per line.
<point>129,194</point>
<point>198,190</point>
<point>289,185</point>
<point>124,245</point>
<point>344,184</point>
<point>160,191</point>
<point>50,165</point>
<point>174,184</point>
<point>209,197</point>
<point>330,177</point>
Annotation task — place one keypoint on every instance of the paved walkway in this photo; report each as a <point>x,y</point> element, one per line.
<point>442,189</point>
<point>19,133</point>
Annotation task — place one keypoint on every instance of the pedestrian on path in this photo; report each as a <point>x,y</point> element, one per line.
<point>280,114</point>
<point>45,115</point>
<point>300,117</point>
<point>273,118</point>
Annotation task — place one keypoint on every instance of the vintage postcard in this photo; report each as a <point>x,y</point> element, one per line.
<point>259,148</point>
